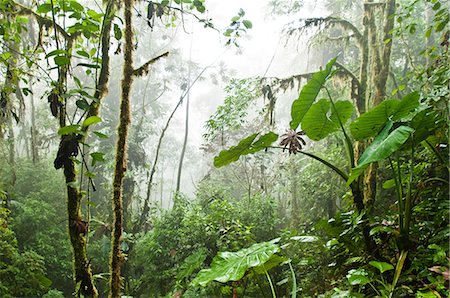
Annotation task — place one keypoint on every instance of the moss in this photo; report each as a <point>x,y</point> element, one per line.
<point>117,258</point>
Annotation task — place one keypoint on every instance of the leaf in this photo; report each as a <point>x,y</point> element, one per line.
<point>382,147</point>
<point>379,139</point>
<point>231,266</point>
<point>424,123</point>
<point>68,129</point>
<point>97,157</point>
<point>263,142</point>
<point>56,53</point>
<point>382,266</point>
<point>100,135</point>
<point>357,277</point>
<point>228,156</point>
<point>83,104</point>
<point>245,146</point>
<point>76,6</point>
<point>46,282</point>
<point>117,32</point>
<point>406,105</point>
<point>62,60</point>
<point>370,123</point>
<point>305,239</point>
<point>321,119</point>
<point>91,120</point>
<point>247,24</point>
<point>308,94</point>
<point>83,53</point>
<point>388,183</point>
<point>44,8</point>
<point>191,264</point>
<point>274,261</point>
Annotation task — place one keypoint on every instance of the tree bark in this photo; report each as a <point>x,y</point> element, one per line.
<point>117,257</point>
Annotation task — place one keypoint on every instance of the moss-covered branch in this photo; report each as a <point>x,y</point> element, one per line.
<point>144,69</point>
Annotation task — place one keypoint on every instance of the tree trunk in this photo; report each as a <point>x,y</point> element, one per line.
<point>186,127</point>
<point>117,257</point>
<point>33,132</point>
<point>83,273</point>
<point>381,56</point>
<point>183,150</point>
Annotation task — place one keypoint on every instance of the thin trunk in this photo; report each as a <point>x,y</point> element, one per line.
<point>117,257</point>
<point>294,193</point>
<point>363,69</point>
<point>33,132</point>
<point>12,151</point>
<point>186,127</point>
<point>146,207</point>
<point>161,186</point>
<point>183,150</point>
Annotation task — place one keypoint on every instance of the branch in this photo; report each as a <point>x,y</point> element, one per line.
<point>144,68</point>
<point>345,71</point>
<point>329,21</point>
<point>42,21</point>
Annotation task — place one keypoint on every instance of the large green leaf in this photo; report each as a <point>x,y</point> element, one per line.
<point>322,119</point>
<point>231,266</point>
<point>308,94</point>
<point>370,123</point>
<point>382,147</point>
<point>245,146</point>
<point>406,105</point>
<point>274,261</point>
<point>425,124</point>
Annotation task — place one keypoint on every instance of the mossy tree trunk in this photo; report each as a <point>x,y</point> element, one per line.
<point>117,257</point>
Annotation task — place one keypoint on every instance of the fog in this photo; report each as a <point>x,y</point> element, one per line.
<point>263,51</point>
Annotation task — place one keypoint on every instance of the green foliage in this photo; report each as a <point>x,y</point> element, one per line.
<point>39,220</point>
<point>185,239</point>
<point>322,120</point>
<point>22,274</point>
<point>308,94</point>
<point>249,145</point>
<point>370,123</point>
<point>230,116</point>
<point>382,266</point>
<point>231,266</point>
<point>383,146</point>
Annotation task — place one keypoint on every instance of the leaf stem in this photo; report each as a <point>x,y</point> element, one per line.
<point>347,139</point>
<point>274,295</point>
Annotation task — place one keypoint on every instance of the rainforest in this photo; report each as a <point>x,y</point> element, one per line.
<point>212,148</point>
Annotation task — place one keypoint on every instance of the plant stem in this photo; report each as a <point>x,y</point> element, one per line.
<point>274,295</point>
<point>398,188</point>
<point>294,282</point>
<point>347,139</point>
<point>398,271</point>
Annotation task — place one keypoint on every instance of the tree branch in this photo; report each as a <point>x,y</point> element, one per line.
<point>143,70</point>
